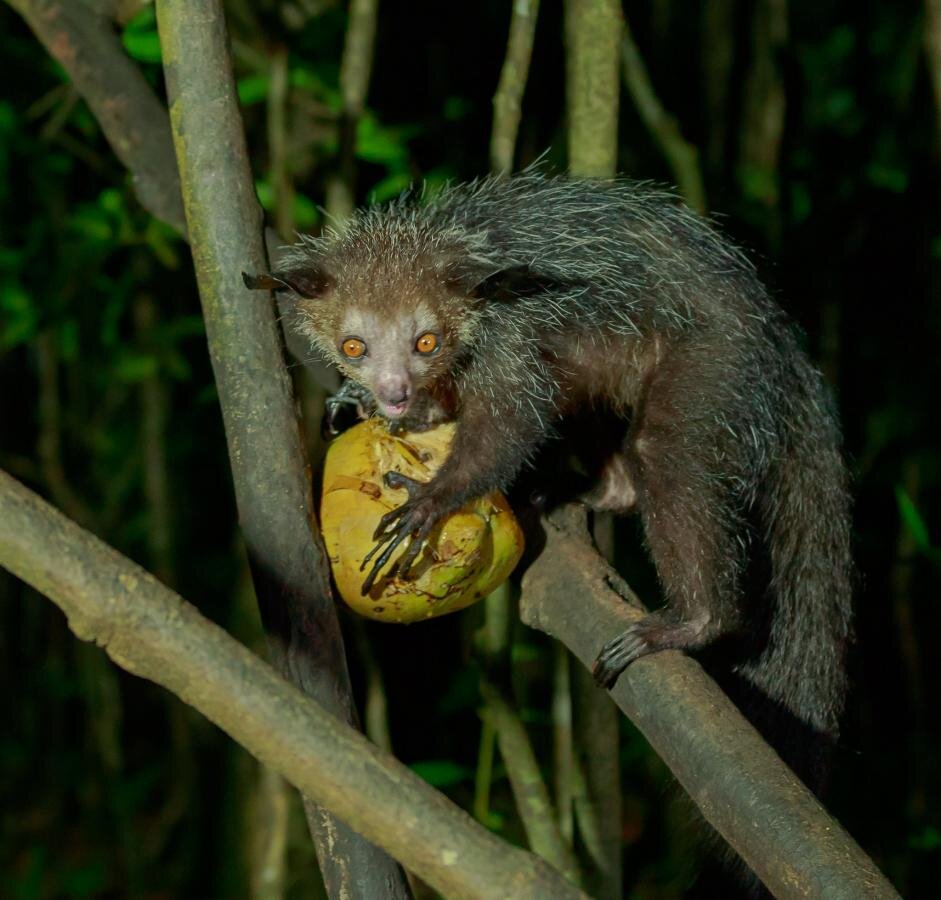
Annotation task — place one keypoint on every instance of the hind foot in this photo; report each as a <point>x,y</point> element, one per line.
<point>650,635</point>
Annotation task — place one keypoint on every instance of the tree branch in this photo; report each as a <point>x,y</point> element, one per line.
<point>529,788</point>
<point>131,117</point>
<point>152,632</point>
<point>593,38</point>
<point>508,99</point>
<point>763,116</point>
<point>738,782</point>
<point>272,486</point>
<point>355,69</point>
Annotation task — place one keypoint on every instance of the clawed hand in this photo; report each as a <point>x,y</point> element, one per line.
<point>416,517</point>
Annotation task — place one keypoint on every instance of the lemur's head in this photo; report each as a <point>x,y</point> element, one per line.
<point>391,310</point>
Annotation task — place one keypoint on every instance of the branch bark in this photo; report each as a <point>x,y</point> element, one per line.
<point>152,632</point>
<point>738,782</point>
<point>131,117</point>
<point>529,788</point>
<point>508,99</point>
<point>272,486</point>
<point>593,35</point>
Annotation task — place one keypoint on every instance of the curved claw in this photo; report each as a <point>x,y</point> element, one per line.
<point>413,518</point>
<point>618,654</point>
<point>393,541</point>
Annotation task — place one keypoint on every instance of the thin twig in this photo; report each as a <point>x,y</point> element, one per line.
<point>682,156</point>
<point>529,788</point>
<point>763,115</point>
<point>355,69</point>
<point>508,99</point>
<point>281,183</point>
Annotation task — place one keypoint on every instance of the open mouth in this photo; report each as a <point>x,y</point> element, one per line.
<point>393,410</point>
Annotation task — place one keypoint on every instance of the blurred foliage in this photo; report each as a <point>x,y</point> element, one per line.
<point>107,406</point>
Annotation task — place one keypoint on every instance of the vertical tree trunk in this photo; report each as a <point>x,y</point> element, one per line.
<point>269,470</point>
<point>593,62</point>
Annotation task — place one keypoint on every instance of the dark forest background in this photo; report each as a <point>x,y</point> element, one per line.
<point>113,788</point>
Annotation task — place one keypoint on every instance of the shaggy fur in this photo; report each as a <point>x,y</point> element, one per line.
<point>551,295</point>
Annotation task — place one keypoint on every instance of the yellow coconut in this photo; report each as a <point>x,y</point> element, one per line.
<point>468,554</point>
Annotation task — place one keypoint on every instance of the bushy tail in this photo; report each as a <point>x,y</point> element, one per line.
<point>795,685</point>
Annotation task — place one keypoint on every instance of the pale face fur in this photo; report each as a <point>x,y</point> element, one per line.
<point>389,311</point>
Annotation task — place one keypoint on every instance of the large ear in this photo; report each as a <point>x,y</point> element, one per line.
<point>308,282</point>
<point>506,284</point>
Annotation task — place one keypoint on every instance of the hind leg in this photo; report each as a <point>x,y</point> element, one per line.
<point>693,532</point>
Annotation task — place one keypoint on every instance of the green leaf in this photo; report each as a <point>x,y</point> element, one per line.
<point>20,319</point>
<point>801,203</point>
<point>68,340</point>
<point>140,37</point>
<point>456,108</point>
<point>389,187</point>
<point>135,367</point>
<point>86,881</point>
<point>891,178</point>
<point>929,839</point>
<point>306,213</point>
<point>252,89</point>
<point>379,144</point>
<point>442,773</point>
<point>912,519</point>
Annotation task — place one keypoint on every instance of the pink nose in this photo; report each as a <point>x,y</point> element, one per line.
<point>393,389</point>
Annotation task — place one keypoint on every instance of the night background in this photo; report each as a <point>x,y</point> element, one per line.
<point>111,786</point>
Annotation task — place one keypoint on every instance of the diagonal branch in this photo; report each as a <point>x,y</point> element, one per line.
<point>738,782</point>
<point>152,632</point>
<point>131,117</point>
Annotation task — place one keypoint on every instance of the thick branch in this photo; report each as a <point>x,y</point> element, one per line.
<point>508,100</point>
<point>154,633</point>
<point>682,156</point>
<point>272,487</point>
<point>593,38</point>
<point>131,117</point>
<point>737,781</point>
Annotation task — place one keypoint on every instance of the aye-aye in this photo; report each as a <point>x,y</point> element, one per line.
<point>509,302</point>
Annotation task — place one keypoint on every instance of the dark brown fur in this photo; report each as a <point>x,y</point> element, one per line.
<point>553,295</point>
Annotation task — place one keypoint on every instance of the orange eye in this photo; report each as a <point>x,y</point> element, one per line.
<point>353,348</point>
<point>427,343</point>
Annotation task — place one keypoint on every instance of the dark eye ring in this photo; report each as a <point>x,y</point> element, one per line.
<point>353,348</point>
<point>427,343</point>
